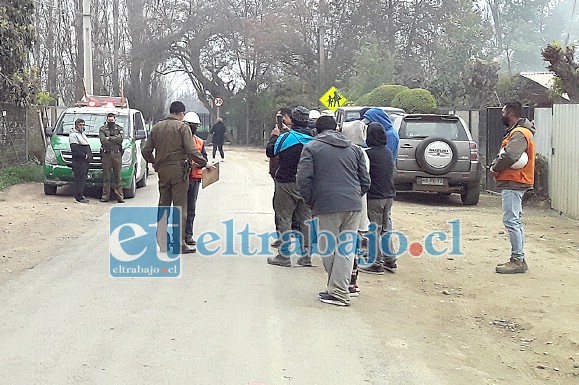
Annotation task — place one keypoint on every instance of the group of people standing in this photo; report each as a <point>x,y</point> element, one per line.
<point>330,180</point>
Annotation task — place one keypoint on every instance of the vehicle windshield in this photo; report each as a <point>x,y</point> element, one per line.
<point>93,122</point>
<point>449,129</point>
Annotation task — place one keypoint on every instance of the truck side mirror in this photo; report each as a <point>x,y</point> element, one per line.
<point>140,135</point>
<point>48,131</point>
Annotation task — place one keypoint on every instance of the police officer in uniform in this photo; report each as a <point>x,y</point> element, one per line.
<point>111,136</point>
<point>172,141</point>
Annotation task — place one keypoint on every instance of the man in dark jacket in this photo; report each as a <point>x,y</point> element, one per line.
<point>380,198</point>
<point>218,130</point>
<point>287,200</point>
<point>81,157</point>
<point>332,177</point>
<point>111,136</point>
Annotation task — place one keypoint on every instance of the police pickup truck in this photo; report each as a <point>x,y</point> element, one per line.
<point>93,110</point>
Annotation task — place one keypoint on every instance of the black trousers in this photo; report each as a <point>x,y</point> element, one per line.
<point>218,146</point>
<point>80,170</point>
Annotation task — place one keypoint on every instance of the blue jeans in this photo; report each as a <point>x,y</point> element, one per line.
<point>512,219</point>
<point>191,203</point>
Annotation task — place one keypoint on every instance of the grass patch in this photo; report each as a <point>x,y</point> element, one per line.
<point>10,176</point>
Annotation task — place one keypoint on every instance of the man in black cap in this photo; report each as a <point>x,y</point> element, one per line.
<point>287,199</point>
<point>111,136</point>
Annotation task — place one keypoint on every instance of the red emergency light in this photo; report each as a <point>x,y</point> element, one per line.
<point>103,101</point>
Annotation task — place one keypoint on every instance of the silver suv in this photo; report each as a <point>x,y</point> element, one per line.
<point>437,154</point>
<point>345,113</point>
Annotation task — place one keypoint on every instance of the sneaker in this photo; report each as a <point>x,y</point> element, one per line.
<point>373,269</point>
<point>279,260</point>
<point>514,266</point>
<point>511,260</point>
<point>389,265</point>
<point>321,293</point>
<point>328,298</point>
<point>353,291</point>
<point>277,243</point>
<point>189,240</point>
<point>83,200</point>
<point>120,200</point>
<point>104,199</point>
<point>305,261</point>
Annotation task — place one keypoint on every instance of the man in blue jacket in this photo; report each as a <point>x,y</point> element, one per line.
<point>380,116</point>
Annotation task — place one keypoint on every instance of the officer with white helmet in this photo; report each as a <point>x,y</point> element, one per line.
<point>195,176</point>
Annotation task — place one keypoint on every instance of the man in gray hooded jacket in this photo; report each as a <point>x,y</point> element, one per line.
<point>331,177</point>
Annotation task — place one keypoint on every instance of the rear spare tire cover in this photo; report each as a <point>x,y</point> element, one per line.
<point>436,155</point>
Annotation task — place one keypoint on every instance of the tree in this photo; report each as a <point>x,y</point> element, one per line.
<point>17,34</point>
<point>562,62</point>
<point>373,66</point>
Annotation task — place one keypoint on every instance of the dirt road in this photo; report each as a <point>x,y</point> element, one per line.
<point>236,320</point>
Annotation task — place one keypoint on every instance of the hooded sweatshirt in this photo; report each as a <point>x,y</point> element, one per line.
<point>378,115</point>
<point>289,148</point>
<point>512,152</point>
<point>332,174</point>
<point>381,164</point>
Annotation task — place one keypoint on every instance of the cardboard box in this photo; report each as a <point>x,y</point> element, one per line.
<point>210,176</point>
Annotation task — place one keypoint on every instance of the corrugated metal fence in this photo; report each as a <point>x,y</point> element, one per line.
<point>564,162</point>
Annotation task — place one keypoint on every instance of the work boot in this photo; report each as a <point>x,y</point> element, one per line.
<point>189,240</point>
<point>280,260</point>
<point>511,260</point>
<point>514,266</point>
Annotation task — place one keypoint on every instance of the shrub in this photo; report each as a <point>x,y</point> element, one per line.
<point>20,174</point>
<point>381,96</point>
<point>415,101</point>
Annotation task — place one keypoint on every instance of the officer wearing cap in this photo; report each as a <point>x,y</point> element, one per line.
<point>111,136</point>
<point>172,141</point>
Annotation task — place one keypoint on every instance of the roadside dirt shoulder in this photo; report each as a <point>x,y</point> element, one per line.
<point>33,226</point>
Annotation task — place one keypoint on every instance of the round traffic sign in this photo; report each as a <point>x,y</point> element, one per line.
<point>218,101</point>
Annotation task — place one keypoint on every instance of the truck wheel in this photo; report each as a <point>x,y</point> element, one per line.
<point>49,189</point>
<point>132,190</point>
<point>471,195</point>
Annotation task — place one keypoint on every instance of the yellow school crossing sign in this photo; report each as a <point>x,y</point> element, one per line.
<point>333,99</point>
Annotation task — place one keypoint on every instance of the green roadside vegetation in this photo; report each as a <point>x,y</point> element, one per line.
<point>10,176</point>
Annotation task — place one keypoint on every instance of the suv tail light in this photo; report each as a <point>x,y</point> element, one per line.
<point>473,151</point>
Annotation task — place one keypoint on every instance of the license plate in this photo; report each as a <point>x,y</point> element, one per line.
<point>433,181</point>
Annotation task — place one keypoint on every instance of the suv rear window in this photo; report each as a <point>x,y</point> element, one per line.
<point>92,123</point>
<point>423,127</point>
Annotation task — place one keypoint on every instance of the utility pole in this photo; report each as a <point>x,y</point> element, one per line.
<point>87,39</point>
<point>321,34</point>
